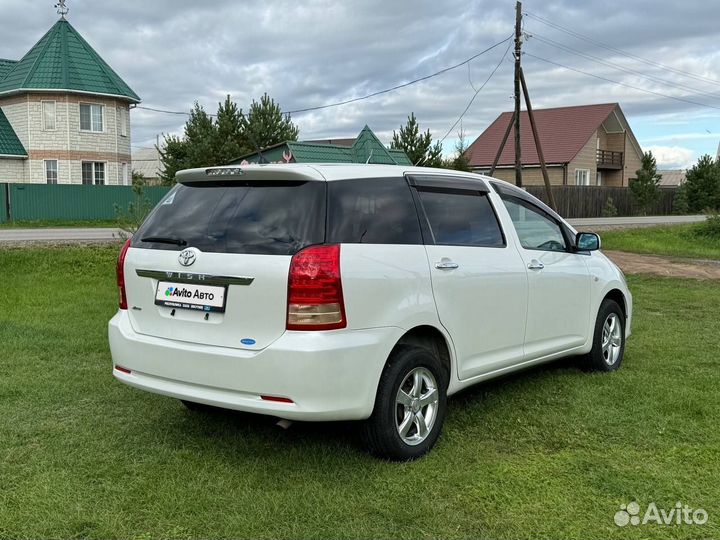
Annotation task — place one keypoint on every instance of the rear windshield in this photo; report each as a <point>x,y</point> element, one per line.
<point>273,218</point>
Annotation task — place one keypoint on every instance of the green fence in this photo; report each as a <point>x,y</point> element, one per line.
<point>42,202</point>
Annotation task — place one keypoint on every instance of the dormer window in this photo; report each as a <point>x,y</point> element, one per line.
<point>92,117</point>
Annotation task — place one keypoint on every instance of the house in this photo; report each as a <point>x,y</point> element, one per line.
<point>672,178</point>
<point>365,148</point>
<point>587,145</point>
<point>146,161</point>
<point>64,114</point>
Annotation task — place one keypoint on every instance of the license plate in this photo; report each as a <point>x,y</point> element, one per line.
<point>191,296</point>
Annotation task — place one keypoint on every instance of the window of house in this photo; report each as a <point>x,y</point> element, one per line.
<point>122,119</point>
<point>91,117</point>
<point>124,180</point>
<point>93,173</point>
<point>51,171</point>
<point>48,113</point>
<point>582,177</point>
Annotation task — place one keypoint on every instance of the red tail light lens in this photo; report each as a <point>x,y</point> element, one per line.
<point>120,271</point>
<point>315,297</point>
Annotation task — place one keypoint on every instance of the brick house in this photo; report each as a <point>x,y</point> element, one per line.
<point>590,145</point>
<point>64,114</point>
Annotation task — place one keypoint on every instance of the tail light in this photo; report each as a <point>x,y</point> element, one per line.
<point>315,297</point>
<point>120,271</point>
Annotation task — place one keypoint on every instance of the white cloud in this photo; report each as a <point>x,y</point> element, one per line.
<point>673,157</point>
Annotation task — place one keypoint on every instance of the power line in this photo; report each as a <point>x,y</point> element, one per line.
<point>467,108</point>
<point>673,84</point>
<point>403,85</point>
<point>353,100</point>
<point>619,51</point>
<point>623,84</point>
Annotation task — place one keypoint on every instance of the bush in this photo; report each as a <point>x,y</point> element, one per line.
<point>709,228</point>
<point>129,221</point>
<point>609,210</point>
<point>680,204</point>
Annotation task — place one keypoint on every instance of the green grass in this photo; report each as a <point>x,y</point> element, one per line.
<point>671,240</point>
<point>549,453</point>
<point>43,224</point>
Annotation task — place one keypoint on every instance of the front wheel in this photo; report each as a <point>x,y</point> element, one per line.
<point>410,406</point>
<point>609,338</point>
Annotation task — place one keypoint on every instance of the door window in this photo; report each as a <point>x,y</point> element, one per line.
<point>458,218</point>
<point>535,229</point>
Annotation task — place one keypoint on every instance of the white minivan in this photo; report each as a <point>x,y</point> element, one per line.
<point>356,292</point>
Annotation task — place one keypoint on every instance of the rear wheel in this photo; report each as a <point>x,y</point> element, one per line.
<point>410,406</point>
<point>609,338</point>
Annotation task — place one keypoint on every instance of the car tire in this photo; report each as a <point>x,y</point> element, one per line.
<point>410,405</point>
<point>608,339</point>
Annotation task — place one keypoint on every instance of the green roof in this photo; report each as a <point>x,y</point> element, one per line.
<point>5,66</point>
<point>62,60</point>
<point>367,148</point>
<point>10,145</point>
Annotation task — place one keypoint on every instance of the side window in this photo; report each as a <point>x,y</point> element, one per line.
<point>372,211</point>
<point>459,218</point>
<point>535,229</point>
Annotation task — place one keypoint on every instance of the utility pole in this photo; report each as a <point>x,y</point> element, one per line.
<point>516,118</point>
<point>538,146</point>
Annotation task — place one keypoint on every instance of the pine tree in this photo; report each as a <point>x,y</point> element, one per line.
<point>265,125</point>
<point>702,185</point>
<point>200,139</point>
<point>229,137</point>
<point>418,146</point>
<point>645,186</point>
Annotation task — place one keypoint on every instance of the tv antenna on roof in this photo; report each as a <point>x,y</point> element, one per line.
<point>62,9</point>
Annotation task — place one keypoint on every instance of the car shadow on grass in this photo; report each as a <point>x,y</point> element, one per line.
<point>236,434</point>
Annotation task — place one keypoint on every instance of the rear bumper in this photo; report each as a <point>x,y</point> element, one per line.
<point>328,375</point>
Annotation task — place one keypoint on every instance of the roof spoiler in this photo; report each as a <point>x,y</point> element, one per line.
<point>269,173</point>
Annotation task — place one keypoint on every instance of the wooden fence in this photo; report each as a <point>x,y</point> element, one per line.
<point>591,201</point>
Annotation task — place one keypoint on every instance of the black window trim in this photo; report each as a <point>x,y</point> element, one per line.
<point>456,186</point>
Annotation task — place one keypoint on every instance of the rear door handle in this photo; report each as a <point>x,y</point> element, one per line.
<point>536,265</point>
<point>446,265</point>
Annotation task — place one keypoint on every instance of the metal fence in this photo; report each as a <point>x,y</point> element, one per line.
<point>591,201</point>
<point>42,202</point>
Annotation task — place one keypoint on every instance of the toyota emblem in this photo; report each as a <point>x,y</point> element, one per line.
<point>186,257</point>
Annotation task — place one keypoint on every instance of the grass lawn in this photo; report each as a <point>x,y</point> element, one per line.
<point>672,240</point>
<point>552,452</point>
<point>58,223</point>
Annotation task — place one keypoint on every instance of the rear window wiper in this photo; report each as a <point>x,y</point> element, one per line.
<point>164,240</point>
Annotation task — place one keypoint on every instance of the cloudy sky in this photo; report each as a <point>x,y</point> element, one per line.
<point>304,54</point>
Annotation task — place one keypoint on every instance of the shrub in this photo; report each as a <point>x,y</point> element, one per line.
<point>709,228</point>
<point>129,221</point>
<point>609,210</point>
<point>680,201</point>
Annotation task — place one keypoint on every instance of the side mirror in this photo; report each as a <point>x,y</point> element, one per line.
<point>587,241</point>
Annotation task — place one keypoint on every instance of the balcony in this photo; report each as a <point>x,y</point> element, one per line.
<point>607,159</point>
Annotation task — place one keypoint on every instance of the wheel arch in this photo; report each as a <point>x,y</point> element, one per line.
<point>619,297</point>
<point>432,339</point>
